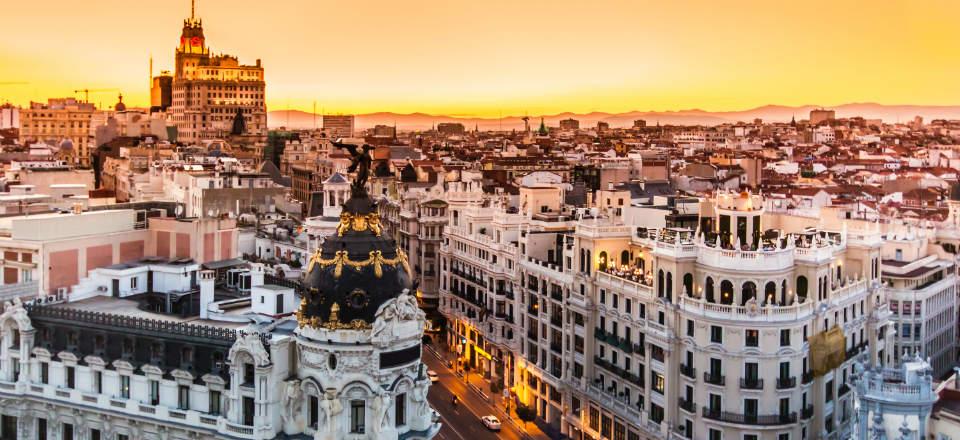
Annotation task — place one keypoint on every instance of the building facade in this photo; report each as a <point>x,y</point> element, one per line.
<point>210,91</point>
<point>613,331</point>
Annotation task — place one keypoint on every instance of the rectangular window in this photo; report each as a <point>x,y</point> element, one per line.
<point>400,411</point>
<point>716,435</point>
<point>44,373</point>
<point>716,334</point>
<point>214,403</point>
<point>690,328</point>
<point>94,434</point>
<point>98,381</point>
<point>71,377</point>
<point>784,337</point>
<point>154,392</point>
<point>125,387</point>
<point>183,401</point>
<point>357,416</point>
<point>752,338</point>
<point>41,429</point>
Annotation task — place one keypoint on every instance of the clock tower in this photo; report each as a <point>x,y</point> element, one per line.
<point>192,50</point>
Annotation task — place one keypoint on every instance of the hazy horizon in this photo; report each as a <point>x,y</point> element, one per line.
<point>503,58</point>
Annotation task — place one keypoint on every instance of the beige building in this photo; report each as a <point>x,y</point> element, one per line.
<point>338,126</point>
<point>210,90</point>
<point>64,122</point>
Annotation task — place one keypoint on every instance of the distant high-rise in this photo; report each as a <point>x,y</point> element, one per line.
<point>639,123</point>
<point>64,122</point>
<point>208,90</point>
<point>338,125</point>
<point>819,115</point>
<point>569,124</point>
<point>451,128</point>
<point>161,92</point>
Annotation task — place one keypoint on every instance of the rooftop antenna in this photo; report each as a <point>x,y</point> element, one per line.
<point>193,7</point>
<point>314,114</point>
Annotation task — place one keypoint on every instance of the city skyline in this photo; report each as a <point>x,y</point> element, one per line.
<point>503,59</point>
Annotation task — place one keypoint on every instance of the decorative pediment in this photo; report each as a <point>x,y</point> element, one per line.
<point>249,342</point>
<point>182,375</point>
<point>14,310</point>
<point>213,379</point>
<point>95,361</point>
<point>67,356</point>
<point>41,352</point>
<point>123,366</point>
<point>151,370</point>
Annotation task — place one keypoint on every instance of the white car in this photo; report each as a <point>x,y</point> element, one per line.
<point>491,422</point>
<point>432,375</point>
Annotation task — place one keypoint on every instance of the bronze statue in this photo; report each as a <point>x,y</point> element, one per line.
<point>361,164</point>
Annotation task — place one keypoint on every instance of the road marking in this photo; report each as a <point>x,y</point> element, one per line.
<point>450,425</point>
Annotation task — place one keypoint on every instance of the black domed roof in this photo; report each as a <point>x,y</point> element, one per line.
<point>356,270</point>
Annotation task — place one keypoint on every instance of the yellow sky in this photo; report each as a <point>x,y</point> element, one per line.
<point>484,58</point>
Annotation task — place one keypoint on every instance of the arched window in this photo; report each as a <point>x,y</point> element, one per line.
<point>641,264</point>
<point>726,292</point>
<point>708,290</point>
<point>839,273</point>
<point>770,292</point>
<point>688,284</point>
<point>747,292</point>
<point>602,262</point>
<point>669,293</point>
<point>589,262</point>
<point>783,293</point>
<point>582,259</point>
<point>660,283</point>
<point>802,287</point>
<point>625,258</point>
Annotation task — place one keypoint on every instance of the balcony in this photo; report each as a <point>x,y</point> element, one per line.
<point>751,383</point>
<point>688,371</point>
<point>714,378</point>
<point>687,405</point>
<point>784,383</point>
<point>807,377</point>
<point>750,419</point>
<point>638,349</point>
<point>807,412</point>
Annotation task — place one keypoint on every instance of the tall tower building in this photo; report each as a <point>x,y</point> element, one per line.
<point>209,90</point>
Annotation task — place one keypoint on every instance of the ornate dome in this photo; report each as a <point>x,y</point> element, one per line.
<point>355,271</point>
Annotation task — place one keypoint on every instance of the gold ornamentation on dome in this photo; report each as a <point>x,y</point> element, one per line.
<point>359,223</point>
<point>334,311</point>
<point>375,258</point>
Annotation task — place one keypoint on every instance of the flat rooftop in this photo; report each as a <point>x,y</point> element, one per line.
<point>126,307</point>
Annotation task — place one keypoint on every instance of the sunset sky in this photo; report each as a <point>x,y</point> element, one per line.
<point>485,58</point>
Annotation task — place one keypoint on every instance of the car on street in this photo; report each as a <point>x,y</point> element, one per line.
<point>433,375</point>
<point>491,422</point>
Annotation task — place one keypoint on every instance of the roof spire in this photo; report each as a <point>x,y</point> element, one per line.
<point>193,7</point>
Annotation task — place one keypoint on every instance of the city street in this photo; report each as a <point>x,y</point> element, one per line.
<point>463,421</point>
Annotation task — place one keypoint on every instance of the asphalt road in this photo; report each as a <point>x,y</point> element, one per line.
<point>463,421</point>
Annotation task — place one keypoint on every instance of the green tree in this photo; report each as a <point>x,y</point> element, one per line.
<point>526,414</point>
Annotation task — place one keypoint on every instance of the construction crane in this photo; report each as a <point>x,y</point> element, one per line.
<point>86,92</point>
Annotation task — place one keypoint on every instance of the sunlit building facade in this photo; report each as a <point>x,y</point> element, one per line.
<point>734,330</point>
<point>210,91</point>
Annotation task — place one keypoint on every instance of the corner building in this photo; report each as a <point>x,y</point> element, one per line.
<point>731,331</point>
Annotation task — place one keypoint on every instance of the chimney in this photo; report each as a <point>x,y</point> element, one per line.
<point>207,279</point>
<point>256,275</point>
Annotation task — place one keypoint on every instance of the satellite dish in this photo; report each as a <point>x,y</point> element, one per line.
<point>210,213</point>
<point>178,211</point>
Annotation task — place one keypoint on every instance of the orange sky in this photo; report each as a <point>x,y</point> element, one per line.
<point>484,58</point>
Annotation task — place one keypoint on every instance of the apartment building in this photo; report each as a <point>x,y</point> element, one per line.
<point>613,331</point>
<point>921,287</point>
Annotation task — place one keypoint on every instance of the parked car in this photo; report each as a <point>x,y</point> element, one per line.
<point>491,422</point>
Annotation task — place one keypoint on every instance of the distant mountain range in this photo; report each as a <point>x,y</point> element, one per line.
<point>769,113</point>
